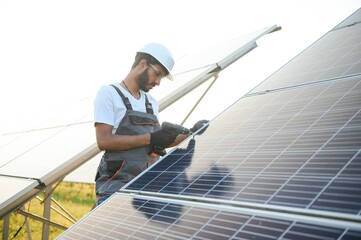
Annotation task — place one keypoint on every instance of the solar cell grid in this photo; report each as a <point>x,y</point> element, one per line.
<point>353,168</point>
<point>125,217</point>
<point>306,231</point>
<point>285,164</point>
<point>351,235</point>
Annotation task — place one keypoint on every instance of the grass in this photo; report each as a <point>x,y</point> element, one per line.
<point>77,198</point>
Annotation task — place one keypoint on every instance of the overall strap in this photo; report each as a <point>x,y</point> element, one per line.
<point>148,105</point>
<point>128,105</point>
<point>125,99</point>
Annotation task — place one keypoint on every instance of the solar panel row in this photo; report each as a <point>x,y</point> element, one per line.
<point>125,217</point>
<point>294,149</point>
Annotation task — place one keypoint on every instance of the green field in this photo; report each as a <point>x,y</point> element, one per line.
<point>77,198</point>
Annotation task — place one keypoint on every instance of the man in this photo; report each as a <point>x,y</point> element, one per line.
<point>126,121</point>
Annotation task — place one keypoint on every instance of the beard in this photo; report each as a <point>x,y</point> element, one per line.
<point>142,80</point>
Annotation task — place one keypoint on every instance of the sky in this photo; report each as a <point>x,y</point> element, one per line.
<point>56,52</point>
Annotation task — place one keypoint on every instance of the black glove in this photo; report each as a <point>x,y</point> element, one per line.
<point>161,138</point>
<point>199,125</point>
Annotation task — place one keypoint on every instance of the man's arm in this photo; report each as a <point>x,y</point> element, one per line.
<point>178,139</point>
<point>195,128</point>
<point>112,142</point>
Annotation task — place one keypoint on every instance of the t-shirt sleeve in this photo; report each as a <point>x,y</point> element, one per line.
<point>104,106</point>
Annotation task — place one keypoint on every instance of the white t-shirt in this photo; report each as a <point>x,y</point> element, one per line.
<point>109,107</point>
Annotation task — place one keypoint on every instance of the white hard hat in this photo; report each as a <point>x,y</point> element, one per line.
<point>162,54</point>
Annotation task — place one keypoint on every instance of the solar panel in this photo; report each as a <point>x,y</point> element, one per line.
<point>43,153</point>
<point>333,56</point>
<point>294,148</point>
<point>11,189</point>
<point>283,162</point>
<point>351,20</point>
<point>127,217</point>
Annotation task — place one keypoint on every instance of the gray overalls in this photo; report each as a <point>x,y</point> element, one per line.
<point>117,168</point>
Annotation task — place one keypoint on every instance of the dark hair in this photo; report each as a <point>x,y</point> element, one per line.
<point>150,60</point>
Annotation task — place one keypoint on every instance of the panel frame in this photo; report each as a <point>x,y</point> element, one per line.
<point>12,201</point>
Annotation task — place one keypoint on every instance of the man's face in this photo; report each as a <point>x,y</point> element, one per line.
<point>146,82</point>
<point>142,80</point>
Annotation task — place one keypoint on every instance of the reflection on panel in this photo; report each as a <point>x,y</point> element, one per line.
<point>293,148</point>
<point>333,56</point>
<point>124,217</point>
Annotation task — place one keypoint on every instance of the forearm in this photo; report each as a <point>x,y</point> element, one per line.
<point>115,142</point>
<point>179,139</point>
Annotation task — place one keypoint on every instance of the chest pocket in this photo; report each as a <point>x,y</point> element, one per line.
<point>143,119</point>
<point>135,122</point>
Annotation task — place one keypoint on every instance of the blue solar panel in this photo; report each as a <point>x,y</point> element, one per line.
<point>294,149</point>
<point>125,217</point>
<point>333,56</point>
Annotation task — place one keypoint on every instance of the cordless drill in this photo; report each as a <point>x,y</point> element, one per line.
<point>174,129</point>
<point>170,128</point>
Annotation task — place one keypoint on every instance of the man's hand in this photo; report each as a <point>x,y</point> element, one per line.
<point>161,138</point>
<point>199,125</point>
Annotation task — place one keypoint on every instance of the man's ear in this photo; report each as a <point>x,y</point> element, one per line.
<point>143,64</point>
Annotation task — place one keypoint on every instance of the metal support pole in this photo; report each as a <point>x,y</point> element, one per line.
<point>46,214</point>
<point>28,228</point>
<point>200,99</point>
<point>6,227</point>
<point>69,217</point>
<point>41,219</point>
